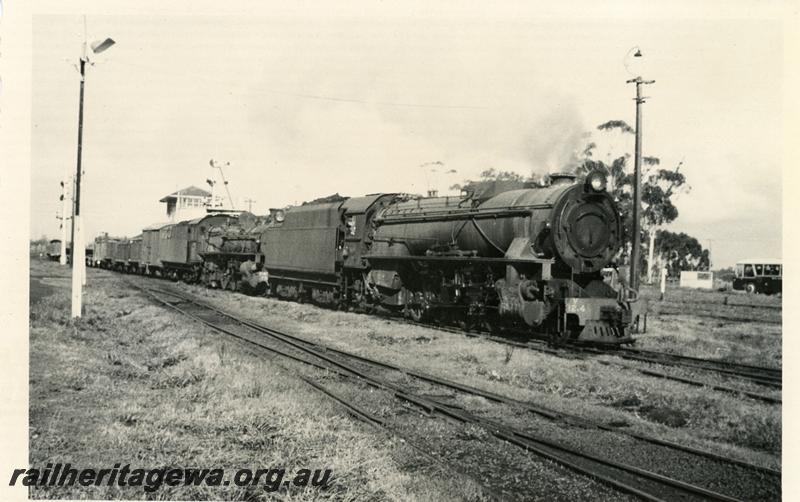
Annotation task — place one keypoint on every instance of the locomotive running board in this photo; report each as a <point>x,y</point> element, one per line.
<point>461,259</point>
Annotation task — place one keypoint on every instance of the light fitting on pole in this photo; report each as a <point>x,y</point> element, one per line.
<point>633,61</point>
<point>99,46</point>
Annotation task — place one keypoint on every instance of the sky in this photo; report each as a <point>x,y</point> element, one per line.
<point>304,105</point>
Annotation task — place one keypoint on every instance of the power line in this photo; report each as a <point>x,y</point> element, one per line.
<point>320,97</point>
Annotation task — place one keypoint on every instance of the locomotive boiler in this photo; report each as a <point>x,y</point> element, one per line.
<point>528,256</point>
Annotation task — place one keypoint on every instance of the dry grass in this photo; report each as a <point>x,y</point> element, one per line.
<point>744,428</point>
<point>677,294</point>
<point>699,323</point>
<point>130,378</point>
<point>758,344</point>
<point>132,383</point>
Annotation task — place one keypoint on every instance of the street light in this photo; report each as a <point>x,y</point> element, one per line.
<point>99,46</point>
<point>78,247</point>
<point>637,178</point>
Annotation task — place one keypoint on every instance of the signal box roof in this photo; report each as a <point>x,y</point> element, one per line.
<point>191,191</point>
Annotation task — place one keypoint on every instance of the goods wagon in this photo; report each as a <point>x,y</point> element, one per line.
<point>105,251</point>
<point>151,239</point>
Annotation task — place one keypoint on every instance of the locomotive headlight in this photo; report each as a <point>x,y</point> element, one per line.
<point>596,181</point>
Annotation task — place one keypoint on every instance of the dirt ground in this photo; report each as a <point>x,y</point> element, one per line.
<point>132,380</point>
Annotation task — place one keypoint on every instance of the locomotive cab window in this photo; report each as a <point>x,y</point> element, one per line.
<point>748,271</point>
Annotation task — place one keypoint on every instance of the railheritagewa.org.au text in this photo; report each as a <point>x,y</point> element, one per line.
<point>150,480</point>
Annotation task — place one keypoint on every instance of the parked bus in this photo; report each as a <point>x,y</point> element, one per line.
<point>759,276</point>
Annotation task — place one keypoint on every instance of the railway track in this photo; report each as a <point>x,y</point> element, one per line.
<point>349,406</point>
<point>725,303</point>
<point>710,314</point>
<point>770,377</point>
<point>626,478</point>
<point>765,376</point>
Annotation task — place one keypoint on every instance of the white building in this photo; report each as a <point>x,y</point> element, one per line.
<point>697,279</point>
<point>187,204</point>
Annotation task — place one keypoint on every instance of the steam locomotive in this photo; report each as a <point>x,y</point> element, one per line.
<point>500,255</point>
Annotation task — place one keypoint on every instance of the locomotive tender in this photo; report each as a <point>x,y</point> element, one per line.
<point>503,254</point>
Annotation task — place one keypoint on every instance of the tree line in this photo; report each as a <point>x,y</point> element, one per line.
<point>675,251</point>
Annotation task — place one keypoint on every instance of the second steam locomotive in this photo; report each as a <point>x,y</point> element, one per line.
<point>500,255</point>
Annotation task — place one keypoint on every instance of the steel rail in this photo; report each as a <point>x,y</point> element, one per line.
<point>695,363</point>
<point>705,364</point>
<point>423,403</point>
<point>382,425</point>
<point>711,315</point>
<point>541,347</point>
<point>765,381</point>
<point>771,378</point>
<point>354,410</point>
<point>672,301</point>
<point>777,372</point>
<point>696,383</point>
<point>539,410</point>
<point>519,438</point>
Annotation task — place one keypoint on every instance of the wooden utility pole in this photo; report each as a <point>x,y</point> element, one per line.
<point>249,203</point>
<point>637,185</point>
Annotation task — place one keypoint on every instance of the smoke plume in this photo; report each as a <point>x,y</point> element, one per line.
<point>556,140</point>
